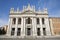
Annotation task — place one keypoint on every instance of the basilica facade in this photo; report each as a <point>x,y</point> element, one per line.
<point>28,22</point>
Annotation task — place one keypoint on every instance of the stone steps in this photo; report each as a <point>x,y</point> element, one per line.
<point>30,38</point>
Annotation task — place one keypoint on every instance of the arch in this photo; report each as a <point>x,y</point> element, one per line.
<point>28,21</point>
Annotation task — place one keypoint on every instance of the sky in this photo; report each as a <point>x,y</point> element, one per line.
<point>53,7</point>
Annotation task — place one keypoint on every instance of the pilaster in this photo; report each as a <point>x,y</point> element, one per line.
<point>48,32</point>
<point>9,27</point>
<point>34,27</point>
<point>22,27</point>
<point>51,25</point>
<point>41,29</point>
<point>16,26</point>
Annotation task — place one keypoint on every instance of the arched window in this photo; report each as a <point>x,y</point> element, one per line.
<point>43,20</point>
<point>28,21</point>
<point>37,20</point>
<point>14,21</point>
<point>19,21</point>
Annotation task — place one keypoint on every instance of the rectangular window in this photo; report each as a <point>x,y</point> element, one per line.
<point>38,31</point>
<point>37,21</point>
<point>18,31</point>
<point>12,31</point>
<point>44,31</point>
<point>28,31</point>
<point>43,20</point>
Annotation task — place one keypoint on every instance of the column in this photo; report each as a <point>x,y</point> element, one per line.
<point>48,32</point>
<point>41,28</point>
<point>9,27</point>
<point>22,27</point>
<point>34,27</point>
<point>16,26</point>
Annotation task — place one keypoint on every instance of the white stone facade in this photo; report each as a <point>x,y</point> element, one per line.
<point>29,12</point>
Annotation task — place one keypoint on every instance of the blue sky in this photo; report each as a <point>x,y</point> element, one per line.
<point>53,7</point>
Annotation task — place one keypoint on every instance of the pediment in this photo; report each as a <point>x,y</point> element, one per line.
<point>28,11</point>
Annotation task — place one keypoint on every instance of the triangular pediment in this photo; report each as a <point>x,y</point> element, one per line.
<point>28,11</point>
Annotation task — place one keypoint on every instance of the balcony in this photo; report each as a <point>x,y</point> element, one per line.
<point>28,25</point>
